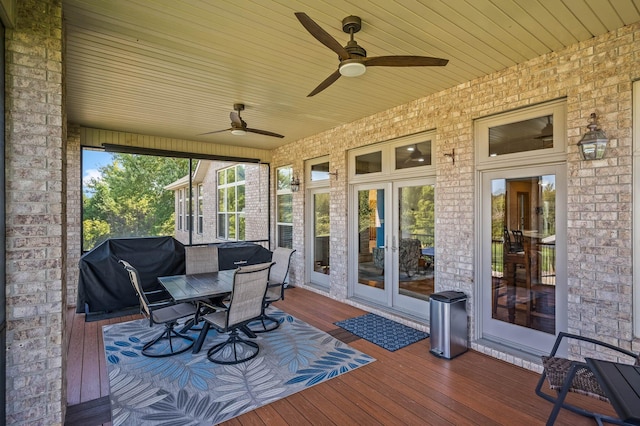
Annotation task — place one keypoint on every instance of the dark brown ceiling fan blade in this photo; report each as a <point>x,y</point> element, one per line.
<point>216,131</point>
<point>264,132</point>
<point>239,126</point>
<point>321,35</point>
<point>404,61</point>
<point>326,83</point>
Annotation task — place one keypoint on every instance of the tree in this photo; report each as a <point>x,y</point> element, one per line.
<point>130,198</point>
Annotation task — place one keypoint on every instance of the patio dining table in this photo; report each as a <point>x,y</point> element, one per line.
<point>196,287</point>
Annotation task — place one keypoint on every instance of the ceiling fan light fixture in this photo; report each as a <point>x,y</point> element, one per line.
<point>416,155</point>
<point>238,132</point>
<point>352,69</point>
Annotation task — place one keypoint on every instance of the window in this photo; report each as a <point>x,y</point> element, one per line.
<point>398,158</point>
<point>200,209</point>
<point>530,135</point>
<point>413,155</point>
<point>320,171</point>
<point>284,207</point>
<point>231,203</point>
<point>180,208</point>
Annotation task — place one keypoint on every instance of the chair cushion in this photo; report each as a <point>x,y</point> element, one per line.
<point>584,381</point>
<point>173,312</point>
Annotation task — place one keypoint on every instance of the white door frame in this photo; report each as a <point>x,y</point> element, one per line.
<point>372,294</point>
<point>527,339</point>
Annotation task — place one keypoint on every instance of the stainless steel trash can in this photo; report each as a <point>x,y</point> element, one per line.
<point>448,316</point>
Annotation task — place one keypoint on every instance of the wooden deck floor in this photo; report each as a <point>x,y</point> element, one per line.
<point>409,386</point>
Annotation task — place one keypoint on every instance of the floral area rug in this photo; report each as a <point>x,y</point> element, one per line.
<point>188,389</point>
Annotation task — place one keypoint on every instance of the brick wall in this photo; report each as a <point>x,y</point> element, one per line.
<point>74,212</point>
<point>256,211</point>
<point>35,204</point>
<point>594,76</point>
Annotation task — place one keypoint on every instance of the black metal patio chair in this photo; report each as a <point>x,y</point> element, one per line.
<point>564,375</point>
<point>164,312</point>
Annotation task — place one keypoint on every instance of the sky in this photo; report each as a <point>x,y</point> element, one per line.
<point>91,161</point>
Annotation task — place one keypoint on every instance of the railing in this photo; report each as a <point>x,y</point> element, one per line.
<point>546,261</point>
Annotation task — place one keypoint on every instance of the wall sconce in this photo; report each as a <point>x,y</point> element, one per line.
<point>594,142</point>
<point>295,184</point>
<point>451,155</point>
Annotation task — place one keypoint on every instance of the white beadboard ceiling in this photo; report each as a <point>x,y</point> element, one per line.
<point>175,68</point>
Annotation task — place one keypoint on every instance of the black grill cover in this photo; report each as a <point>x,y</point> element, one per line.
<point>234,255</point>
<point>104,285</point>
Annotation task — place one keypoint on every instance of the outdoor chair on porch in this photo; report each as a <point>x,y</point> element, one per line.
<point>275,291</point>
<point>200,259</point>
<point>409,255</point>
<point>244,305</point>
<point>516,272</point>
<point>163,312</point>
<point>564,375</point>
<point>378,258</point>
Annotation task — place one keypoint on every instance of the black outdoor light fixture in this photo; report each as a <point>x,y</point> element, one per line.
<point>594,142</point>
<point>295,184</point>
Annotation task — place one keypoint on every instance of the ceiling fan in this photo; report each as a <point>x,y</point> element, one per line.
<point>239,126</point>
<point>353,58</point>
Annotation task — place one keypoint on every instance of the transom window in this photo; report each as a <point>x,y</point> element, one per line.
<point>514,136</point>
<point>402,157</point>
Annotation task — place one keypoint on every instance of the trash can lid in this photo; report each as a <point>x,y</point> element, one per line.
<point>449,296</point>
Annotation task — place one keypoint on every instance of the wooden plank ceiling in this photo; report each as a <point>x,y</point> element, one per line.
<point>175,68</point>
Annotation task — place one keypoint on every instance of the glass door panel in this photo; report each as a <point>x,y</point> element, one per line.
<point>526,282</point>
<point>320,247</point>
<point>414,225</point>
<point>371,239</point>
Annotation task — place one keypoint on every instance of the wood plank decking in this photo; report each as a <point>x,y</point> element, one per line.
<point>409,386</point>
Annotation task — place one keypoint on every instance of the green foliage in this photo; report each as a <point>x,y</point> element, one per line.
<point>366,208</point>
<point>130,198</point>
<point>94,232</point>
<point>321,212</point>
<point>418,213</point>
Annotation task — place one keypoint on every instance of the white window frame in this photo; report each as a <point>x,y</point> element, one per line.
<point>557,109</point>
<point>237,213</point>
<point>388,150</point>
<point>200,208</point>
<point>307,172</point>
<point>180,208</point>
<point>280,192</point>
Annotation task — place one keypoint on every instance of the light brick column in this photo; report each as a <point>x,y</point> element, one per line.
<point>74,212</point>
<point>35,206</point>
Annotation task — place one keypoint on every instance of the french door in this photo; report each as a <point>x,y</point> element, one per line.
<point>393,228</point>
<point>523,256</point>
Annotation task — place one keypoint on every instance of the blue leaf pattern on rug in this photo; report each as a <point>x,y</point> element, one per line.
<point>188,389</point>
<point>384,332</point>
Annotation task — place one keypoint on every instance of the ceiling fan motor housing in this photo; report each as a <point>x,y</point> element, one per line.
<point>351,24</point>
